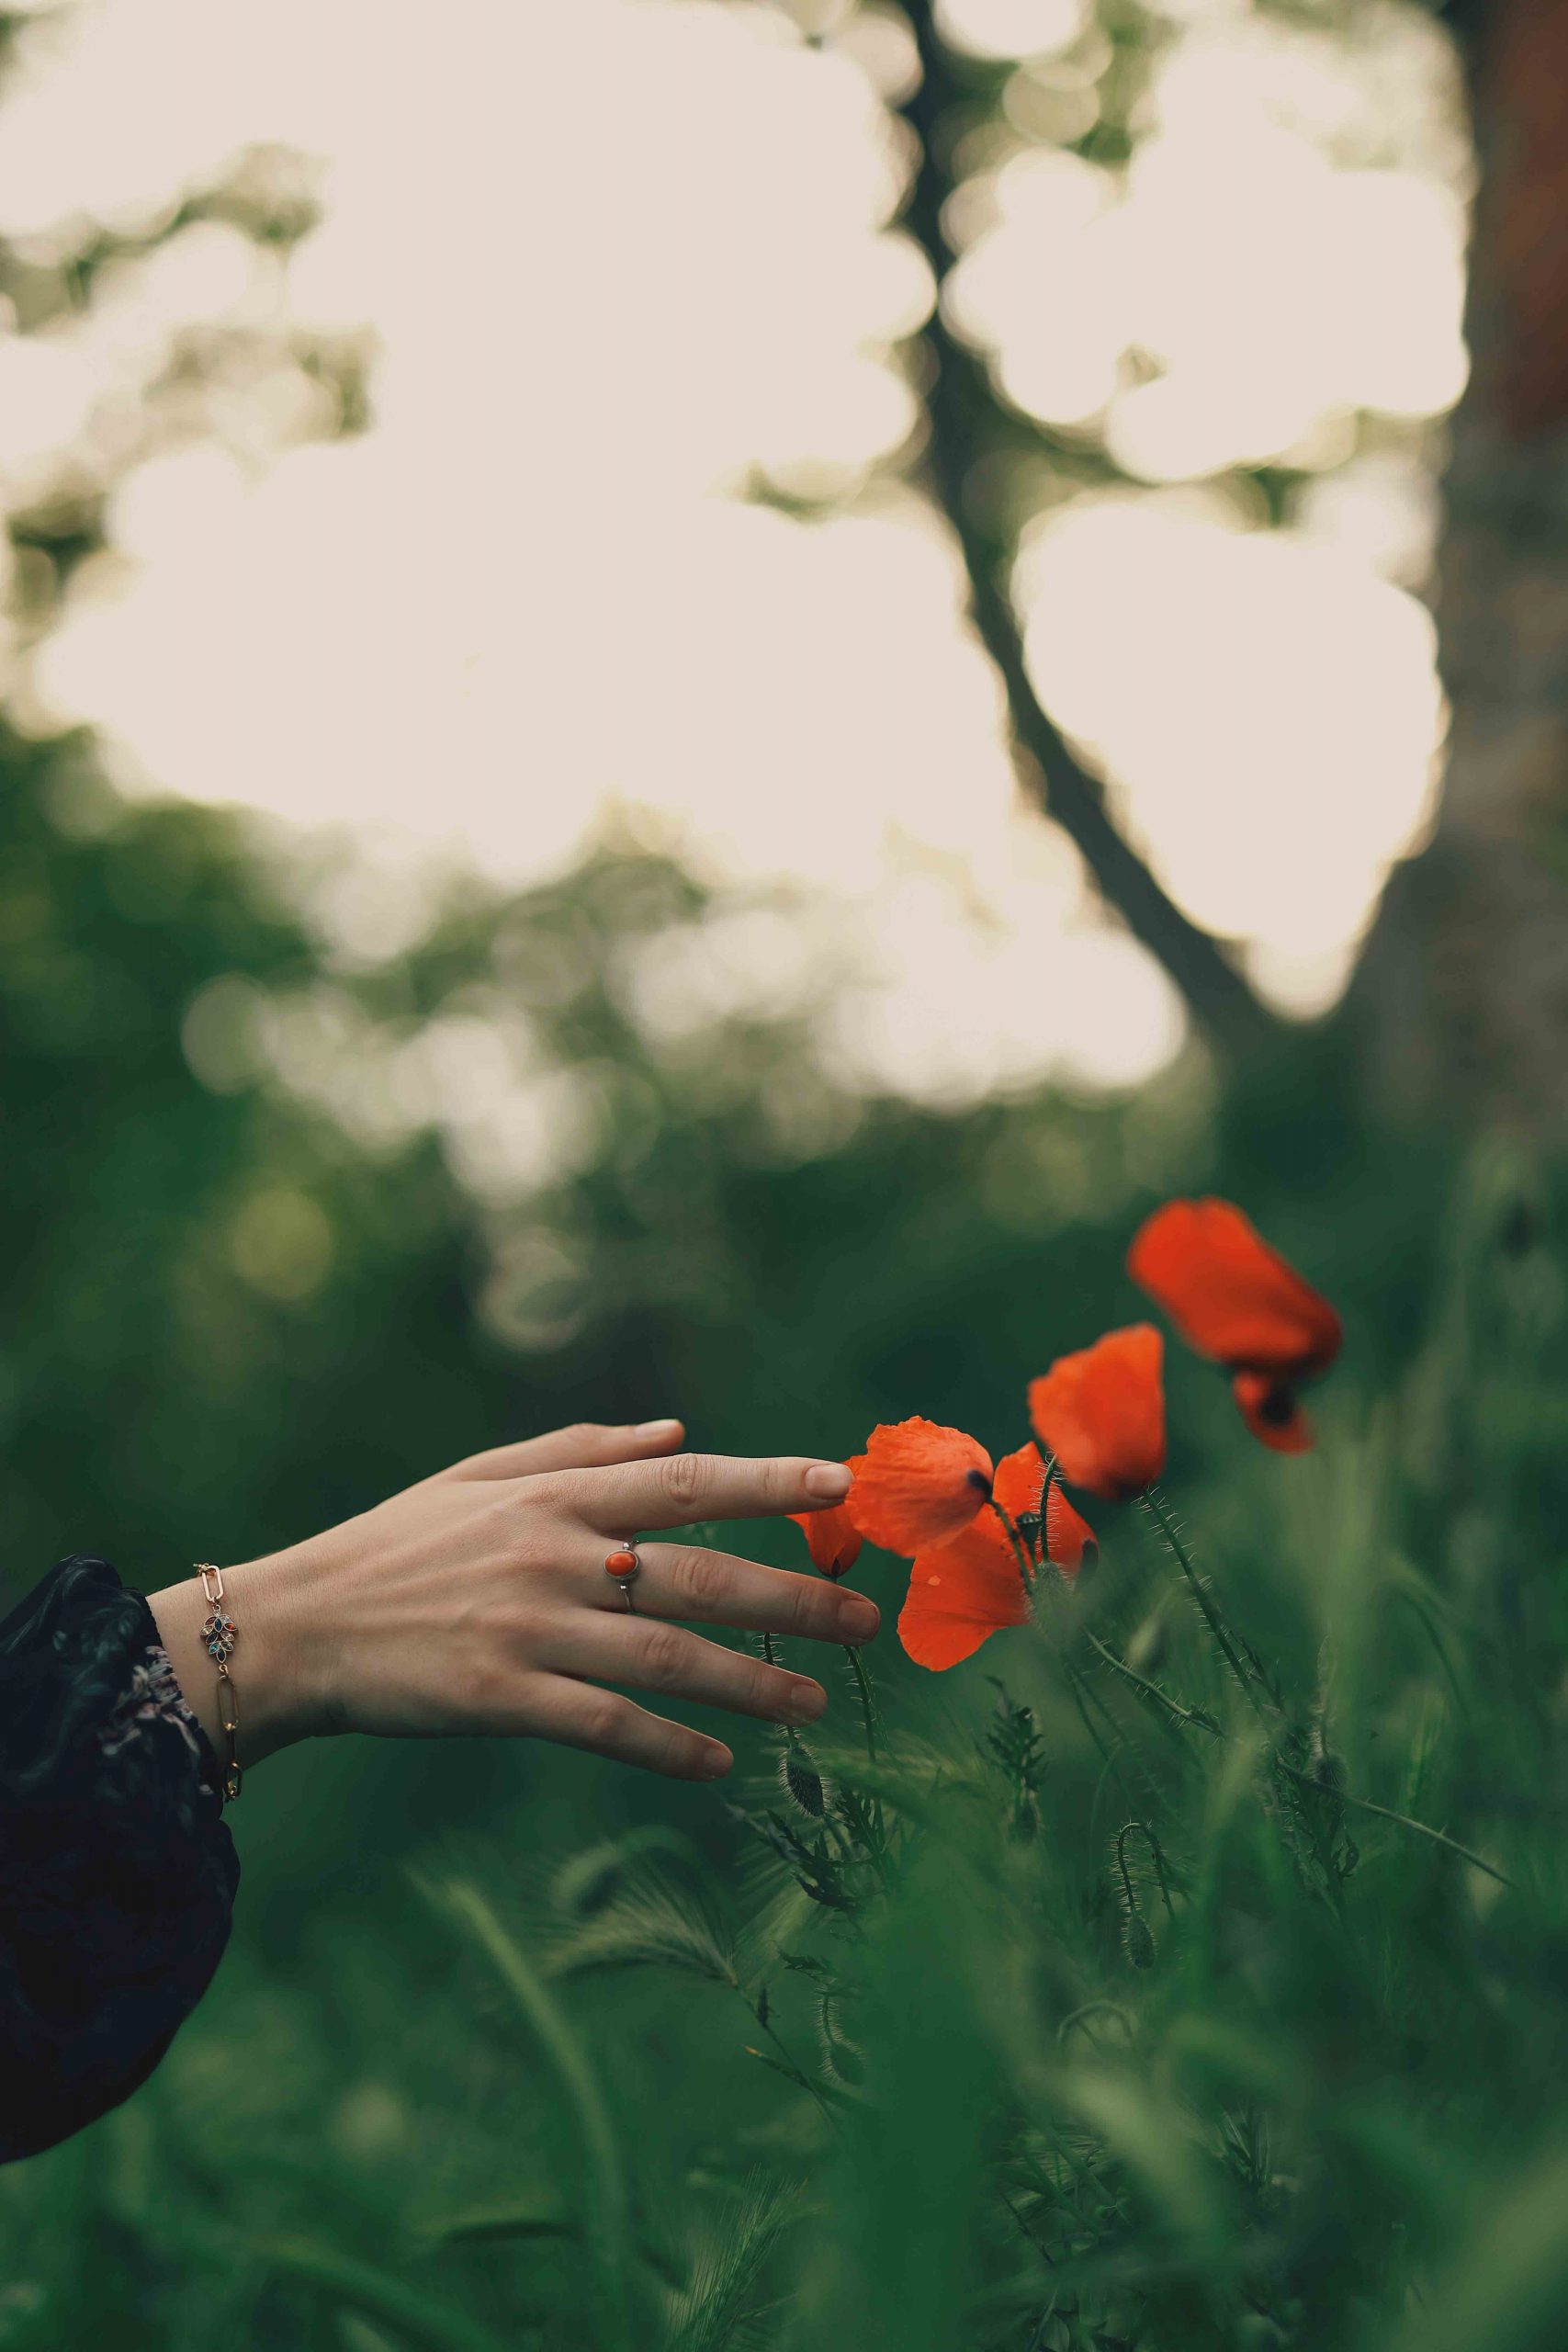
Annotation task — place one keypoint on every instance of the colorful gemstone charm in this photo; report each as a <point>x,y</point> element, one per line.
<point>219,1634</point>
<point>623,1564</point>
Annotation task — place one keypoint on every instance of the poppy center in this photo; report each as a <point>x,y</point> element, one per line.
<point>1277,1408</point>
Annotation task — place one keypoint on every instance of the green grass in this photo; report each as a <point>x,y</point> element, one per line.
<point>947,2057</point>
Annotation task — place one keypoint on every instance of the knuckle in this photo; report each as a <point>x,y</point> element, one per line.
<point>685,1475</point>
<point>807,1610</point>
<point>678,1752</point>
<point>768,1689</point>
<point>602,1717</point>
<point>488,1688</point>
<point>586,1436</point>
<point>665,1651</point>
<point>703,1577</point>
<point>559,1491</point>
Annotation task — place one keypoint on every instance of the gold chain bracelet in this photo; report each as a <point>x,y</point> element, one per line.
<point>219,1634</point>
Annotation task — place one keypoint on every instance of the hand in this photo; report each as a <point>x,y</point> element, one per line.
<point>477,1602</point>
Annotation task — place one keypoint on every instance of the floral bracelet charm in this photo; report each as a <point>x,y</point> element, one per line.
<point>219,1634</point>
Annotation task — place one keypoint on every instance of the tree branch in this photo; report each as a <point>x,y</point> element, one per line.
<point>965,415</point>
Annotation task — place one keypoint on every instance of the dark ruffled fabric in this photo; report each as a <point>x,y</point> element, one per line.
<point>116,1873</point>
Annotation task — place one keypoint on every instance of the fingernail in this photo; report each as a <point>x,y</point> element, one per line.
<point>858,1617</point>
<point>656,1428</point>
<point>828,1479</point>
<point>716,1763</point>
<point>805,1703</point>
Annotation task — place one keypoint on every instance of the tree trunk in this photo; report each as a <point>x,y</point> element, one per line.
<point>1464,989</point>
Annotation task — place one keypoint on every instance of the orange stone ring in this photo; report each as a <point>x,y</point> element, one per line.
<point>626,1568</point>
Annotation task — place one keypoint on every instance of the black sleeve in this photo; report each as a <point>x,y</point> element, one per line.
<point>116,1873</point>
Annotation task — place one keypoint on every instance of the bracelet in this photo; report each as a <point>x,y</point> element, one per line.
<point>219,1634</point>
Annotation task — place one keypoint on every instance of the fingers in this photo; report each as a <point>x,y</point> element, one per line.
<point>580,1716</point>
<point>583,1445</point>
<point>681,1488</point>
<point>648,1655</point>
<point>717,1589</point>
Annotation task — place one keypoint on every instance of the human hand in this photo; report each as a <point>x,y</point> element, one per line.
<point>477,1602</point>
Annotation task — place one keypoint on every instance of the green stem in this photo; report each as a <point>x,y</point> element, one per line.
<point>1406,1821</point>
<point>1025,1565</point>
<point>1156,1850</point>
<point>1081,1693</point>
<point>1212,1617</point>
<point>1173,1708</point>
<point>867,1703</point>
<point>797,2072</point>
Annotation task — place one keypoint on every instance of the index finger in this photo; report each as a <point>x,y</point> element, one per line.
<point>680,1488</point>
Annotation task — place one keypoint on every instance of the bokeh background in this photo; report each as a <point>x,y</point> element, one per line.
<point>691,692</point>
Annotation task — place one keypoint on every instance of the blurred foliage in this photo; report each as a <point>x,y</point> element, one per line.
<point>923,2052</point>
<point>601,2069</point>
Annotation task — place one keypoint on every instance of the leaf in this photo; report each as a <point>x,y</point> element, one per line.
<point>722,2296</point>
<point>649,1923</point>
<point>604,2182</point>
<point>420,2320</point>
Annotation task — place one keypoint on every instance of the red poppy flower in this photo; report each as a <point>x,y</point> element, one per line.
<point>963,1591</point>
<point>831,1538</point>
<point>1237,1301</point>
<point>917,1485</point>
<point>1271,1411</point>
<point>1101,1412</point>
<point>1070,1540</point>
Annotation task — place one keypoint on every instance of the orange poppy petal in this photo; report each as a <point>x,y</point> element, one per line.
<point>831,1538</point>
<point>960,1594</point>
<point>917,1485</point>
<point>1230,1296</point>
<point>1272,1413</point>
<point>1019,1477</point>
<point>1101,1412</point>
<point>1070,1540</point>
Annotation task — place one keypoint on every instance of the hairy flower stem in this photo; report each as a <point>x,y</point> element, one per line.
<point>795,2073</point>
<point>1406,1821</point>
<point>1157,1851</point>
<point>867,1703</point>
<point>1172,1711</point>
<point>1212,1616</point>
<point>1019,1551</point>
<point>1082,1693</point>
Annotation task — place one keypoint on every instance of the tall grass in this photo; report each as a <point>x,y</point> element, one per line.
<point>1117,1993</point>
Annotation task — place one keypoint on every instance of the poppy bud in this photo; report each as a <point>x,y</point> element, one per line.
<point>802,1781</point>
<point>1138,1940</point>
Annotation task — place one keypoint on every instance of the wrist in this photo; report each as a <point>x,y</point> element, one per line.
<point>268,1667</point>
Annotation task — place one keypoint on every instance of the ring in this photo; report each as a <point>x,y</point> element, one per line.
<point>626,1568</point>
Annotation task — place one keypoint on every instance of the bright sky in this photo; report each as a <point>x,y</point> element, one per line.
<point>617,256</point>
